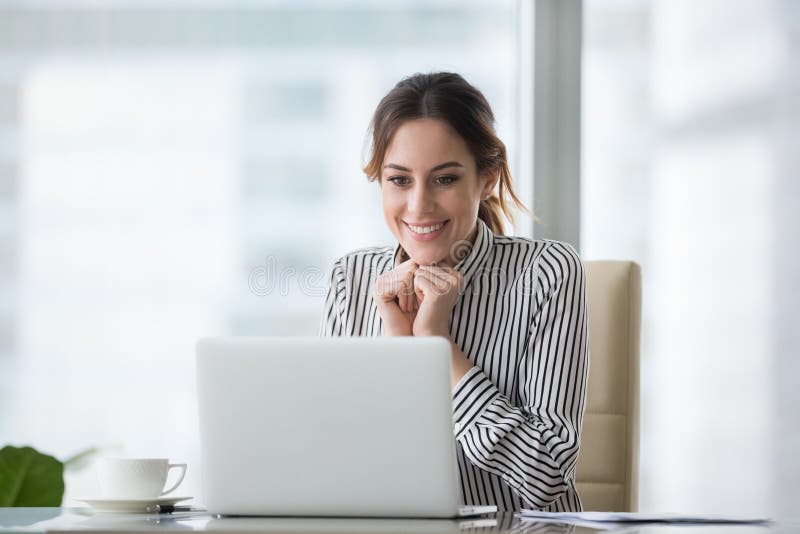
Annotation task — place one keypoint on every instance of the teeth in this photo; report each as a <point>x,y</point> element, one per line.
<point>425,229</point>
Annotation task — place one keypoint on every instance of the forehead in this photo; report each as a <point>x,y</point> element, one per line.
<point>421,144</point>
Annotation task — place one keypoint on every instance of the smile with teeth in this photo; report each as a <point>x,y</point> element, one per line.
<point>425,229</point>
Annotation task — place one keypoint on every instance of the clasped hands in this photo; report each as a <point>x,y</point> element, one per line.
<point>417,300</point>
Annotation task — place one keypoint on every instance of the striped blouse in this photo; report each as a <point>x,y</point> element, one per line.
<point>521,320</point>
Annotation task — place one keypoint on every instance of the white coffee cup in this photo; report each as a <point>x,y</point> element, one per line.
<point>135,478</point>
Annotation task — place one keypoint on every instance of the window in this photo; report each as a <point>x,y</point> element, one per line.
<point>173,170</point>
<point>687,170</point>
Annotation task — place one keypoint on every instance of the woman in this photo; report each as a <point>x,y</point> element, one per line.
<point>513,308</point>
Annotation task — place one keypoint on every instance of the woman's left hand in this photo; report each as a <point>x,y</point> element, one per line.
<point>437,289</point>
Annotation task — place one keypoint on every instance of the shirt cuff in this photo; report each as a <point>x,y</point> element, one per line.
<point>471,396</point>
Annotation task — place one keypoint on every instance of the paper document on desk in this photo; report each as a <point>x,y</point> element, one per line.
<point>626,517</point>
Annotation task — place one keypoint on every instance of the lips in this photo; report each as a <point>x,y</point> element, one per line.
<point>426,223</point>
<point>425,228</point>
<point>426,231</point>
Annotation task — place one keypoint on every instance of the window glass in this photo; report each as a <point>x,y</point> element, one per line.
<point>688,168</point>
<point>170,170</point>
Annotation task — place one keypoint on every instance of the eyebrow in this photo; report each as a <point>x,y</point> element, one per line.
<point>437,168</point>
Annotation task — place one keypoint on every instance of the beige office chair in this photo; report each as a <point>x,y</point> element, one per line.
<point>608,465</point>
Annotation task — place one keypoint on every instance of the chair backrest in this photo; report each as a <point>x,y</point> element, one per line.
<point>608,466</point>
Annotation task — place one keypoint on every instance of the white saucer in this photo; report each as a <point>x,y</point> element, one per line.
<point>129,505</point>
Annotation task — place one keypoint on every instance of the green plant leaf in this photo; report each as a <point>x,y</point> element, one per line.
<point>30,478</point>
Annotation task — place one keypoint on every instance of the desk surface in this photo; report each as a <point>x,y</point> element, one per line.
<point>82,520</point>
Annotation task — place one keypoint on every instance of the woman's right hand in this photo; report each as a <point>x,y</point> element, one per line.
<point>396,300</point>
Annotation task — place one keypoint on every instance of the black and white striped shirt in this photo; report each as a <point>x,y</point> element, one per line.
<point>521,320</point>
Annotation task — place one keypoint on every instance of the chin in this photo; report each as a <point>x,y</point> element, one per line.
<point>424,257</point>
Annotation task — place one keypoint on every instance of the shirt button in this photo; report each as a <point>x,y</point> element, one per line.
<point>458,427</point>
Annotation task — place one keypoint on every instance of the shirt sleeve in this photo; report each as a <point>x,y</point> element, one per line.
<point>332,323</point>
<point>534,447</point>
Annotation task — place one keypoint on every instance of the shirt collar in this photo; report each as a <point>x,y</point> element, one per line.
<point>472,262</point>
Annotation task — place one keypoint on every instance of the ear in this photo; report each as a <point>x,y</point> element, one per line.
<point>492,177</point>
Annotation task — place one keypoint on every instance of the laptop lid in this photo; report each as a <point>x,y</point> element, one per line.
<point>327,426</point>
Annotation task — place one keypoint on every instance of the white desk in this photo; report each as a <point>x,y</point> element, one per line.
<point>82,520</point>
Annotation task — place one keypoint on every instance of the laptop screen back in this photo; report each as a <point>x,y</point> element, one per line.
<point>327,426</point>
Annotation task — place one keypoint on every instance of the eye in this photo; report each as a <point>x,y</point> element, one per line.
<point>446,179</point>
<point>398,180</point>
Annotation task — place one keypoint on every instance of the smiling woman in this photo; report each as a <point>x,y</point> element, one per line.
<point>513,309</point>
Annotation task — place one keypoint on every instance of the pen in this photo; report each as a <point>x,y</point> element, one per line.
<point>170,508</point>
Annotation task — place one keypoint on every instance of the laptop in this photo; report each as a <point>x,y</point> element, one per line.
<point>348,427</point>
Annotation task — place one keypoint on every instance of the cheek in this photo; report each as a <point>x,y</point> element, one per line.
<point>392,202</point>
<point>463,201</point>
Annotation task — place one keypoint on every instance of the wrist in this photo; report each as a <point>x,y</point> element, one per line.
<point>429,333</point>
<point>433,330</point>
<point>459,366</point>
<point>397,332</point>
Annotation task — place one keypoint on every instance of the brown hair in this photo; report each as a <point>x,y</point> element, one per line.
<point>448,97</point>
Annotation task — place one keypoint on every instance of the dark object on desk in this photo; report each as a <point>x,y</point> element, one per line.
<point>171,508</point>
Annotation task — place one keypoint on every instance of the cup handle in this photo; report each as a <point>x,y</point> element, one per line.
<point>182,467</point>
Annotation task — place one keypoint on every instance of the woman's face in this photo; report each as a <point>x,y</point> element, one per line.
<point>431,190</point>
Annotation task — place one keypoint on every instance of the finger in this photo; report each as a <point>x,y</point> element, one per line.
<point>410,299</point>
<point>413,306</point>
<point>383,292</point>
<point>413,300</point>
<point>437,282</point>
<point>408,291</point>
<point>430,285</point>
<point>453,277</point>
<point>385,301</point>
<point>413,303</point>
<point>402,279</point>
<point>407,267</point>
<point>403,298</point>
<point>426,272</point>
<point>418,291</point>
<point>435,273</point>
<point>386,288</point>
<point>442,270</point>
<point>423,286</point>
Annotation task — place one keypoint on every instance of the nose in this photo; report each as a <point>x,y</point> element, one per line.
<point>420,201</point>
